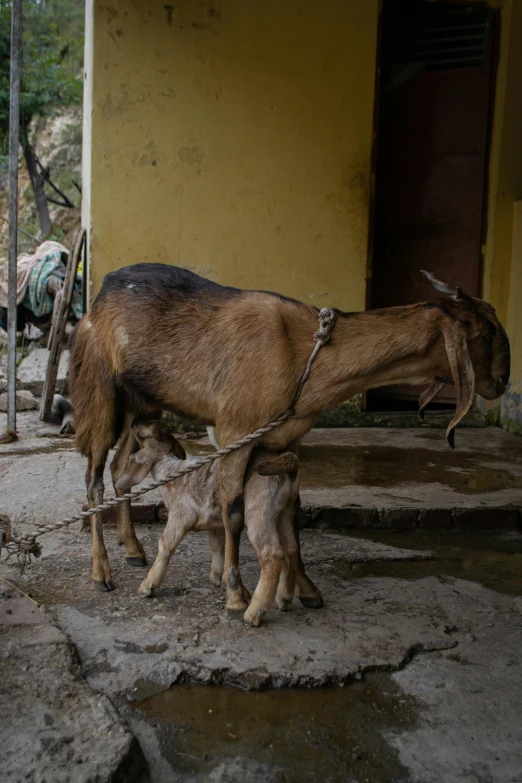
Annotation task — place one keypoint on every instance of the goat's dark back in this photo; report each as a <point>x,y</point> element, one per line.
<point>158,337</point>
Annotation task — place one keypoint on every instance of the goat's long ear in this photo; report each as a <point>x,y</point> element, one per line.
<point>455,338</point>
<point>178,450</point>
<point>137,469</point>
<point>428,395</point>
<point>282,463</point>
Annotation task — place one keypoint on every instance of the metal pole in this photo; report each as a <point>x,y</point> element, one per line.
<point>14,132</point>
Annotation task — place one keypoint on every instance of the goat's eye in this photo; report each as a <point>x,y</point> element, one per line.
<point>489,338</point>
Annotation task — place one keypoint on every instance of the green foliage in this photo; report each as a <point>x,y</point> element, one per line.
<point>52,59</point>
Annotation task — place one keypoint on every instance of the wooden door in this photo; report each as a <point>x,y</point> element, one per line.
<point>433,131</point>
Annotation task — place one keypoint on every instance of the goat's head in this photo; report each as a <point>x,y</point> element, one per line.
<point>477,350</point>
<point>156,442</point>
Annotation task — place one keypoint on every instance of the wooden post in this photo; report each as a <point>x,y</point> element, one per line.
<point>14,132</point>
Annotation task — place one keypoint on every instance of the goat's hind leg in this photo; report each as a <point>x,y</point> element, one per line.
<point>134,551</point>
<point>287,580</point>
<point>101,570</point>
<point>307,592</point>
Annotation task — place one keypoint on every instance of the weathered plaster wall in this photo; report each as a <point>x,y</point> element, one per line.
<point>234,138</point>
<point>503,258</point>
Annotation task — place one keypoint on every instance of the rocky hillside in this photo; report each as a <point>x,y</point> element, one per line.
<point>58,145</point>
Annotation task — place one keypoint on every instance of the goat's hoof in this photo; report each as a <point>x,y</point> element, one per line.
<point>284,604</point>
<point>311,602</point>
<point>215,579</point>
<point>103,587</point>
<point>253,619</point>
<point>138,562</point>
<point>236,608</point>
<point>145,591</point>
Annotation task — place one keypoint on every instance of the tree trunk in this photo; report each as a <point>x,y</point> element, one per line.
<point>37,182</point>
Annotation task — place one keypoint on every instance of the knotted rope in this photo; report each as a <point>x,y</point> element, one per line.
<point>23,547</point>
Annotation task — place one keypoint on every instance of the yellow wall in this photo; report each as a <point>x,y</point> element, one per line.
<point>234,138</point>
<point>512,400</point>
<point>503,259</point>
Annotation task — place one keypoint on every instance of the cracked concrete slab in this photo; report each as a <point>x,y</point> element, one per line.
<point>183,632</point>
<point>469,725</point>
<point>54,726</point>
<point>451,647</point>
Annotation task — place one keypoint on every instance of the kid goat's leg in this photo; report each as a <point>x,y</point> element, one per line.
<point>232,471</point>
<point>101,570</point>
<point>170,539</point>
<point>270,555</point>
<point>216,542</point>
<point>127,445</point>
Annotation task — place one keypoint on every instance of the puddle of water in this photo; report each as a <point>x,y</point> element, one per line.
<point>491,560</point>
<point>328,734</point>
<point>339,466</point>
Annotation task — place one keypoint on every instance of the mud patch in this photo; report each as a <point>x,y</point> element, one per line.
<point>333,734</point>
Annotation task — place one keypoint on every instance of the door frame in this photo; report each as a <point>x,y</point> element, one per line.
<point>495,59</point>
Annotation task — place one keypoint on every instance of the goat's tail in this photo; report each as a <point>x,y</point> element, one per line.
<point>282,463</point>
<point>98,411</point>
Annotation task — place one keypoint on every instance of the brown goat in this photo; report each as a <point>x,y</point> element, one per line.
<point>159,337</point>
<point>194,503</point>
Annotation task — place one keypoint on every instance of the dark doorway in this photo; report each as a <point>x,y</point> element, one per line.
<point>432,151</point>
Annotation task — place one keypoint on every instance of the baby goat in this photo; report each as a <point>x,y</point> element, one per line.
<point>194,503</point>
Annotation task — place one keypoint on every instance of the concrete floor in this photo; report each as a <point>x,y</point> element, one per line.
<point>411,671</point>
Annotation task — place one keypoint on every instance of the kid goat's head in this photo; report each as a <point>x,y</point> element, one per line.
<point>156,442</point>
<point>477,350</point>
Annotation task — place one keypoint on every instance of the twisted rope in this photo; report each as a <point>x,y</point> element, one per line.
<point>25,546</point>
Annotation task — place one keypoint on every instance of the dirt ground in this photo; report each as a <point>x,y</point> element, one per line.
<point>410,672</point>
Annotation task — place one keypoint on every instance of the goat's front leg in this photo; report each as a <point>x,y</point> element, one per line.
<point>232,471</point>
<point>216,542</point>
<point>101,570</point>
<point>169,541</point>
<point>127,445</point>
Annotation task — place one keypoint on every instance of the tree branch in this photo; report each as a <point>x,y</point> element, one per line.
<point>67,204</point>
<point>44,170</point>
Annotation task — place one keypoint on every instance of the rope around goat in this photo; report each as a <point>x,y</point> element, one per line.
<point>25,546</point>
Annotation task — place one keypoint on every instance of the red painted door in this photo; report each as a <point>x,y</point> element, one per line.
<point>436,71</point>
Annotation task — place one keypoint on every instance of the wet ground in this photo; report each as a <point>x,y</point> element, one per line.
<point>410,672</point>
<point>488,559</point>
<point>295,735</point>
<point>42,477</point>
<point>422,631</point>
<point>333,734</point>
